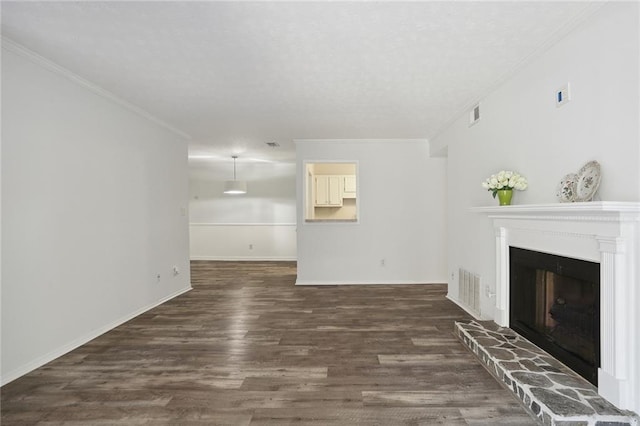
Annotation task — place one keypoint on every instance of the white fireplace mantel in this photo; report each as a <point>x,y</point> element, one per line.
<point>603,232</point>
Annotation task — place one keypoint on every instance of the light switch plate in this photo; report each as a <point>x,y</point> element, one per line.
<point>563,95</point>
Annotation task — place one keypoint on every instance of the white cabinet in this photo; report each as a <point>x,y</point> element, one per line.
<point>328,191</point>
<point>349,186</point>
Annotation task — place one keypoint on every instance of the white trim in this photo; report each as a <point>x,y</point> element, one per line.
<point>307,282</point>
<point>14,47</point>
<point>557,209</point>
<point>246,258</point>
<point>466,309</point>
<point>76,343</point>
<point>241,224</point>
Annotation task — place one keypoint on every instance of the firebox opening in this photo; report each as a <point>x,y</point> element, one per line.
<point>555,303</point>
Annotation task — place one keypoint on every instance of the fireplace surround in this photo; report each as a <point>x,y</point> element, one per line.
<point>606,233</point>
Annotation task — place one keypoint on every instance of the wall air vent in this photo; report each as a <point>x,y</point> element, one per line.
<point>469,290</point>
<point>474,115</point>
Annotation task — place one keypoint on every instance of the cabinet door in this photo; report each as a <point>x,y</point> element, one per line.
<point>322,191</point>
<point>349,187</point>
<point>328,191</point>
<point>335,193</point>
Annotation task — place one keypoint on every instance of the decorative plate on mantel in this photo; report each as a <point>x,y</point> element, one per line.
<point>588,181</point>
<point>566,190</point>
<point>581,186</point>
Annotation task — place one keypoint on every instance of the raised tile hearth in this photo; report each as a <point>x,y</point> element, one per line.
<point>553,393</point>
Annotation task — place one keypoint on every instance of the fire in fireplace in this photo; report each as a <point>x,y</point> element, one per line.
<point>555,303</point>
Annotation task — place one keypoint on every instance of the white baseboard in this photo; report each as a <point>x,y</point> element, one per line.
<point>246,258</point>
<point>467,310</point>
<point>307,282</point>
<point>76,343</point>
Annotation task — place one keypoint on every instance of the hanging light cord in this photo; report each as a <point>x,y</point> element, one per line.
<point>234,166</point>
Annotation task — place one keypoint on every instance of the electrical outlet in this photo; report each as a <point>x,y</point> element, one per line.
<point>382,262</point>
<point>250,246</point>
<point>158,277</point>
<point>488,292</point>
<point>176,270</point>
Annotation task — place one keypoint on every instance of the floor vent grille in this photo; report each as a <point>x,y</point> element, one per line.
<point>469,285</point>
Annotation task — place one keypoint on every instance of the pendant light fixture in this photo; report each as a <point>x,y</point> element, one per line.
<point>235,186</point>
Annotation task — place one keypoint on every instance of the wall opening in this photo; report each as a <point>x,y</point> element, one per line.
<point>331,192</point>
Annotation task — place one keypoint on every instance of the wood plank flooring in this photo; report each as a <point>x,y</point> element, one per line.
<point>247,347</point>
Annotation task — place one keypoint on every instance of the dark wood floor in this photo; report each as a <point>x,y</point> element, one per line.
<point>248,347</point>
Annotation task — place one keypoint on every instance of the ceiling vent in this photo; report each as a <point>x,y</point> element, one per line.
<point>474,115</point>
<point>272,144</point>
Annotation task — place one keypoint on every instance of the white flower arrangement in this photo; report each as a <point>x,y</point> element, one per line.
<point>505,179</point>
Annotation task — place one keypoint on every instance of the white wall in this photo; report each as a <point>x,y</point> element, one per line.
<point>94,208</point>
<point>259,225</point>
<point>401,203</point>
<point>240,241</point>
<point>522,129</point>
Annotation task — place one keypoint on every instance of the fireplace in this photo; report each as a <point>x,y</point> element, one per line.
<point>555,303</point>
<point>602,232</point>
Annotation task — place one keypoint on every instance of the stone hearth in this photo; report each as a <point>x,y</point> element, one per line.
<point>552,392</point>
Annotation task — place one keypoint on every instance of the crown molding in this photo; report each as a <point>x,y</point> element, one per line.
<point>551,41</point>
<point>34,57</point>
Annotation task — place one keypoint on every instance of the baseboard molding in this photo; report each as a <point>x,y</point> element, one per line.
<point>76,343</point>
<point>307,282</point>
<point>247,258</point>
<point>467,310</point>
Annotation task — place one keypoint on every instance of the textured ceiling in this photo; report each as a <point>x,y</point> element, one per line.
<point>234,75</point>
